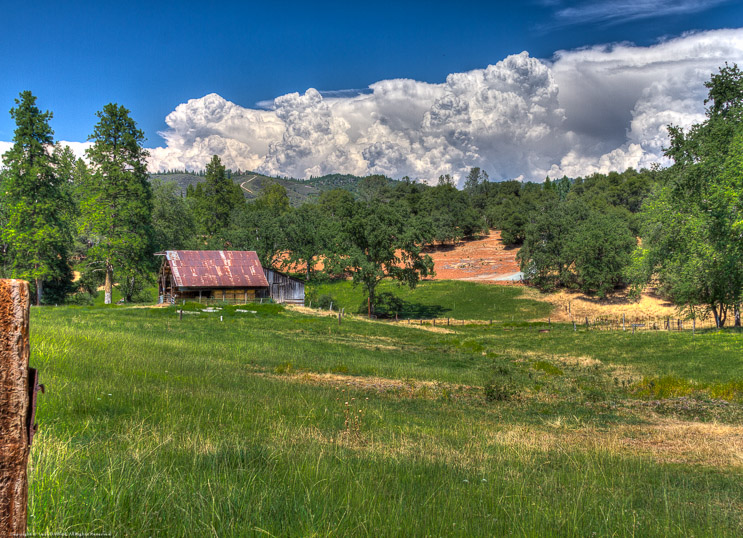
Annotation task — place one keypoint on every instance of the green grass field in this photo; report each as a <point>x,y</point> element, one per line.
<point>155,426</point>
<point>442,299</point>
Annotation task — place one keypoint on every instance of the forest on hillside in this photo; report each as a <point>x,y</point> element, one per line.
<point>103,218</point>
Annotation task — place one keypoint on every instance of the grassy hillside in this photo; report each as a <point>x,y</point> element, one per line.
<point>252,184</point>
<point>441,299</point>
<point>272,422</point>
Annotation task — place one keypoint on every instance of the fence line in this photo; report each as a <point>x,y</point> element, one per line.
<point>603,323</point>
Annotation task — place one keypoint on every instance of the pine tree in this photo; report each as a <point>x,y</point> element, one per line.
<point>35,230</point>
<point>118,212</point>
<point>215,200</point>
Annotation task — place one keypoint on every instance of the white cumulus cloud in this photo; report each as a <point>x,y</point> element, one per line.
<point>588,110</point>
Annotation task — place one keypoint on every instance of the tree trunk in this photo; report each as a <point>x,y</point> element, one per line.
<point>39,291</point>
<point>107,285</point>
<point>130,290</point>
<point>737,315</point>
<point>720,315</point>
<point>371,299</point>
<point>14,399</point>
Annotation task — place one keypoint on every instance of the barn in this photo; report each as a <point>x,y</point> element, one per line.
<point>230,276</point>
<point>283,288</point>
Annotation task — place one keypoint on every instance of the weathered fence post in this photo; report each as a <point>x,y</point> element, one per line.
<point>14,406</point>
<point>623,327</point>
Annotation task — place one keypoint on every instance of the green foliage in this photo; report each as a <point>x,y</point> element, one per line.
<point>692,224</point>
<point>569,243</point>
<point>380,242</point>
<point>35,229</point>
<point>215,200</point>
<point>450,213</point>
<point>388,305</point>
<point>308,233</point>
<point>173,224</point>
<point>256,227</point>
<point>324,301</point>
<point>117,212</point>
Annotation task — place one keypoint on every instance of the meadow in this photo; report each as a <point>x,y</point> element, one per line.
<point>277,422</point>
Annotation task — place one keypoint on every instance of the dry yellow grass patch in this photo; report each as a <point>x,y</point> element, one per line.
<point>325,313</point>
<point>402,387</point>
<point>648,305</point>
<point>667,441</point>
<point>687,442</point>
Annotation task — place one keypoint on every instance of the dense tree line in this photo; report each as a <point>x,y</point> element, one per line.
<point>679,227</point>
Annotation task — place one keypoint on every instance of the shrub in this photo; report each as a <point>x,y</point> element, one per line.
<point>496,391</point>
<point>325,300</point>
<point>547,367</point>
<point>664,387</point>
<point>388,305</point>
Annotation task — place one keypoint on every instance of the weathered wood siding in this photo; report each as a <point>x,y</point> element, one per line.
<point>283,288</point>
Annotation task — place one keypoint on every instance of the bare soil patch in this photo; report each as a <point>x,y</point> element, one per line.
<point>484,259</point>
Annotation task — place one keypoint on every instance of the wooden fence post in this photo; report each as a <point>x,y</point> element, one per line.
<point>14,406</point>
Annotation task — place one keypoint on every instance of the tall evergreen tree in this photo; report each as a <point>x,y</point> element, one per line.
<point>118,212</point>
<point>215,199</point>
<point>35,231</point>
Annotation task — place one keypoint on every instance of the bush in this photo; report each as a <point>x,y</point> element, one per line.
<point>496,391</point>
<point>310,296</point>
<point>388,305</point>
<point>325,300</point>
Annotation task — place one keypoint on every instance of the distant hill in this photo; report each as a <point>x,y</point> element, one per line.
<point>252,184</point>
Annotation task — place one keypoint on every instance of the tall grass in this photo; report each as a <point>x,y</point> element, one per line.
<point>155,426</point>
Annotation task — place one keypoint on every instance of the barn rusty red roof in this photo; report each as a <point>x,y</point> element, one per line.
<point>216,269</point>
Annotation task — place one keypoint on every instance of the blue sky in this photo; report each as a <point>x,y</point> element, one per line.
<point>153,56</point>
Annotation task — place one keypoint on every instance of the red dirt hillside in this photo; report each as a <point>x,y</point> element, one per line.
<point>482,260</point>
